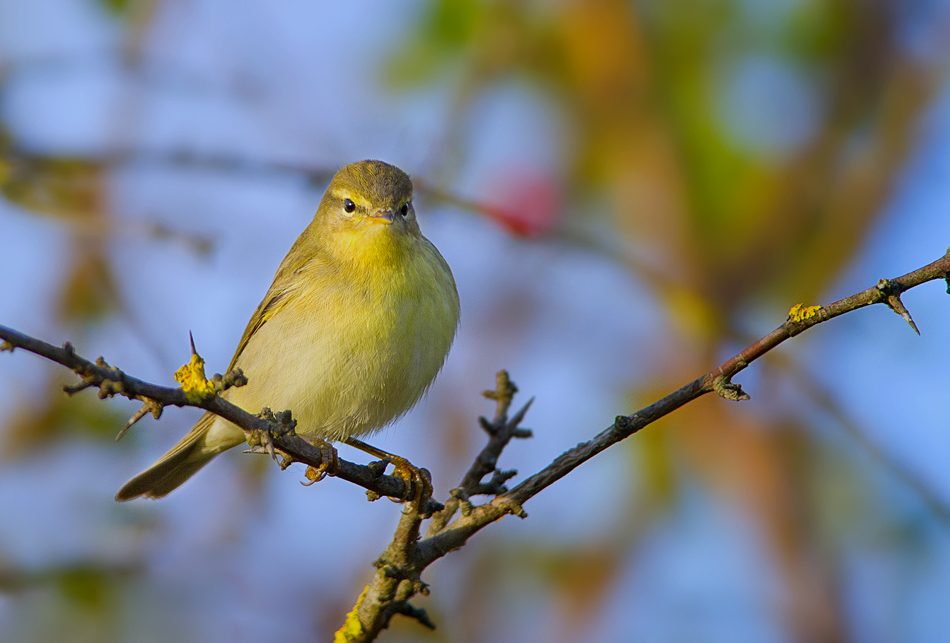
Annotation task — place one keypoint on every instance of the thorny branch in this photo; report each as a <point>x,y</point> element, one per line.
<point>112,381</point>
<point>720,378</point>
<point>398,571</point>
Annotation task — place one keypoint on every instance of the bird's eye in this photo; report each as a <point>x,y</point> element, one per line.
<point>349,206</point>
<point>405,208</point>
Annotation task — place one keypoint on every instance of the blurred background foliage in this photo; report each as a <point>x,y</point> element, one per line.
<point>628,192</point>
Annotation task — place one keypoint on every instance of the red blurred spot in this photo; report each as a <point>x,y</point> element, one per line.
<point>527,204</point>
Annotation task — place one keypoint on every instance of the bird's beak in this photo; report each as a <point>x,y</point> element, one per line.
<point>382,216</point>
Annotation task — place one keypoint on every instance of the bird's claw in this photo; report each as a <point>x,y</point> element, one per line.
<point>264,438</point>
<point>328,463</point>
<point>261,441</point>
<point>314,474</point>
<point>418,481</point>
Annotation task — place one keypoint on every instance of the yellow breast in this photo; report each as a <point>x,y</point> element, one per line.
<point>354,349</point>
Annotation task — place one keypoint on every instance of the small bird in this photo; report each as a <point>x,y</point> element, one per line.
<point>355,327</point>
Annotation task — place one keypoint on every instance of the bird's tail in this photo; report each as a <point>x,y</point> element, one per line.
<point>194,451</point>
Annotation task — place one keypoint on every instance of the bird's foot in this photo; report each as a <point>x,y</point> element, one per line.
<point>418,481</point>
<point>329,459</point>
<point>262,440</point>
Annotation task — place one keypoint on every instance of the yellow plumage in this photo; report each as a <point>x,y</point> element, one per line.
<point>355,327</point>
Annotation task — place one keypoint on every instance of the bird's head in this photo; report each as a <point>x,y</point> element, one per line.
<point>370,199</point>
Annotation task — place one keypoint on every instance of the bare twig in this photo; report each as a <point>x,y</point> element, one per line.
<point>627,425</point>
<point>501,430</point>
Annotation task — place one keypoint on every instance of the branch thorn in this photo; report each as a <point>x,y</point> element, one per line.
<point>72,389</point>
<point>148,406</point>
<point>894,302</point>
<point>519,416</point>
<point>417,613</point>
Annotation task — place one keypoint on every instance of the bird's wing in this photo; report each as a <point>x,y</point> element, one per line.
<point>265,310</point>
<point>281,292</point>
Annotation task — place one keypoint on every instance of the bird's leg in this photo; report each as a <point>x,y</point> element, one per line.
<point>418,481</point>
<point>262,441</point>
<point>329,461</point>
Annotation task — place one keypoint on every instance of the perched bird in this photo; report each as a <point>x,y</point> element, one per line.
<point>355,327</point>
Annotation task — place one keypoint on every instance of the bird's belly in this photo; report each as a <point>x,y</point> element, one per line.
<point>342,377</point>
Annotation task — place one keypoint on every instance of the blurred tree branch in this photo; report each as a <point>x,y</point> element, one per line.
<point>62,186</point>
<point>399,569</point>
<point>826,403</point>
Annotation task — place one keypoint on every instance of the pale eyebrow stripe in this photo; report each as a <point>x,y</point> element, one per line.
<point>356,198</point>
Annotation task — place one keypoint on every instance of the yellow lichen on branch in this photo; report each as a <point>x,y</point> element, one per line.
<point>800,313</point>
<point>193,382</point>
<point>352,628</point>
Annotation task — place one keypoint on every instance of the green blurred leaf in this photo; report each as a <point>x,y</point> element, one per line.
<point>117,8</point>
<point>452,23</point>
<point>446,28</point>
<point>818,30</point>
<point>87,587</point>
<point>61,187</point>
